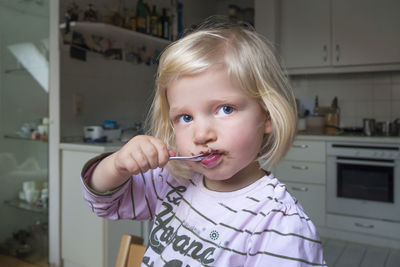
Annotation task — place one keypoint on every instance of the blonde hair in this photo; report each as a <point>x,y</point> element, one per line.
<point>249,60</point>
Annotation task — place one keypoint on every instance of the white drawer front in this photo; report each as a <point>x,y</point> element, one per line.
<point>300,171</point>
<point>362,225</point>
<point>312,198</point>
<point>307,151</point>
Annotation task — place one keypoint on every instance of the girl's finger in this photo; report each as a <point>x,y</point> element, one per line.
<point>171,153</point>
<point>163,154</point>
<point>140,157</point>
<point>128,165</point>
<point>151,152</point>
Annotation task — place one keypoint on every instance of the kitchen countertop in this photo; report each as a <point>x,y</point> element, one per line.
<point>348,138</point>
<point>113,146</point>
<point>92,147</point>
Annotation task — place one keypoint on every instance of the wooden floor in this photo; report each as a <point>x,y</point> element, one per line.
<point>337,254</point>
<point>7,261</point>
<point>346,254</point>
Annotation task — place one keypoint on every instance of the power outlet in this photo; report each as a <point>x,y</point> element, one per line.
<point>77,103</point>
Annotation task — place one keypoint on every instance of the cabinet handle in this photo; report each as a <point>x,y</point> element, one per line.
<point>337,52</point>
<point>302,189</point>
<point>303,167</point>
<point>325,50</point>
<point>300,146</point>
<point>362,225</point>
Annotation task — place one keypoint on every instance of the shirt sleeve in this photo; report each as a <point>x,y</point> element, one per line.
<point>136,199</point>
<point>285,236</point>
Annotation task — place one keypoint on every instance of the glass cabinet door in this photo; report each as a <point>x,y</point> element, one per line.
<point>24,98</point>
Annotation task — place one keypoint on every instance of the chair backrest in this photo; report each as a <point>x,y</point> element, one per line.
<point>131,251</point>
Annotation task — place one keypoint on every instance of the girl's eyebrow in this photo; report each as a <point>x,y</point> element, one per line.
<point>176,110</point>
<point>232,99</point>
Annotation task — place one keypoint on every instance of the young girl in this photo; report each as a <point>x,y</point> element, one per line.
<point>219,92</point>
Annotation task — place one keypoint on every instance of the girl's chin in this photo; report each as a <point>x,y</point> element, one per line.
<point>216,175</point>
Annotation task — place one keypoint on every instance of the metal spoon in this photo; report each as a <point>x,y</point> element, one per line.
<point>190,158</point>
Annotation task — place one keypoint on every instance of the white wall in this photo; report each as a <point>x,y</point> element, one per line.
<point>114,90</point>
<point>360,95</point>
<point>111,89</point>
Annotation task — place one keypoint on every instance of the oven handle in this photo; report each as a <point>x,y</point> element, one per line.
<point>302,167</point>
<point>362,225</point>
<point>302,189</point>
<point>300,146</point>
<point>361,162</point>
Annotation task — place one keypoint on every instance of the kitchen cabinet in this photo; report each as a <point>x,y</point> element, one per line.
<point>305,33</point>
<point>386,229</point>
<point>87,240</point>
<point>304,172</point>
<point>266,19</point>
<point>307,194</point>
<point>365,32</point>
<point>339,35</point>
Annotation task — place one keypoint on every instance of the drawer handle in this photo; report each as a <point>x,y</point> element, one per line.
<point>362,225</point>
<point>300,167</point>
<point>300,146</point>
<point>302,189</point>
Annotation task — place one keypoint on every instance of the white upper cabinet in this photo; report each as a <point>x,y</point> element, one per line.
<point>366,32</point>
<point>305,33</point>
<point>339,35</point>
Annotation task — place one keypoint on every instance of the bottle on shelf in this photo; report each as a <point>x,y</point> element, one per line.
<point>173,32</point>
<point>179,19</point>
<point>165,24</point>
<point>233,11</point>
<point>148,13</point>
<point>159,27</point>
<point>141,16</point>
<point>132,20</point>
<point>154,21</point>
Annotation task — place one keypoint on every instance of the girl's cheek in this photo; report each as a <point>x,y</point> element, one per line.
<point>181,146</point>
<point>189,164</point>
<point>183,142</point>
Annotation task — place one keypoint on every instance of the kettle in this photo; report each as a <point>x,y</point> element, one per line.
<point>369,127</point>
<point>93,132</point>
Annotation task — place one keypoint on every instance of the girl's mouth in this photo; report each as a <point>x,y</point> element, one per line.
<point>212,159</point>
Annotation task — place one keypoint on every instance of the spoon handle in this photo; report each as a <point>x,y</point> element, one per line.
<point>190,158</point>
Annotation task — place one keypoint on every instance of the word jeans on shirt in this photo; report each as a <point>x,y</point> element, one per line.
<point>164,234</point>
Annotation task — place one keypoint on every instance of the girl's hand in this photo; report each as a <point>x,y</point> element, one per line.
<point>140,154</point>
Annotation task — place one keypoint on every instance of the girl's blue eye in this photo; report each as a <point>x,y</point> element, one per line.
<point>226,109</point>
<point>185,118</point>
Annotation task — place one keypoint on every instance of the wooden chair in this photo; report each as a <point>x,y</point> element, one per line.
<point>131,251</point>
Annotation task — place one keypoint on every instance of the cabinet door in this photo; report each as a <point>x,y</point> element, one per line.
<point>312,198</point>
<point>303,150</point>
<point>305,33</point>
<point>365,32</point>
<point>82,231</point>
<point>304,171</point>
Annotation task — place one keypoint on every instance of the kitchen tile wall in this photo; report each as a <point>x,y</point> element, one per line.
<point>360,95</point>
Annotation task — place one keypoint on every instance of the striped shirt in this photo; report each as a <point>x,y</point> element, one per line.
<point>259,225</point>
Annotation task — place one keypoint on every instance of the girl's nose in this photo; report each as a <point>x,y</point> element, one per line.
<point>204,132</point>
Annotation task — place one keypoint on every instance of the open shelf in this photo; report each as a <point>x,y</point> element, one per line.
<point>23,205</point>
<point>17,137</point>
<point>115,32</point>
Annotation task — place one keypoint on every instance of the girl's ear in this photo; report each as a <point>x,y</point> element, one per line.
<point>267,124</point>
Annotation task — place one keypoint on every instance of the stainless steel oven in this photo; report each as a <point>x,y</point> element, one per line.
<point>363,179</point>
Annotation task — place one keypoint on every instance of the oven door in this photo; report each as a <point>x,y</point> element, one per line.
<point>363,187</point>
